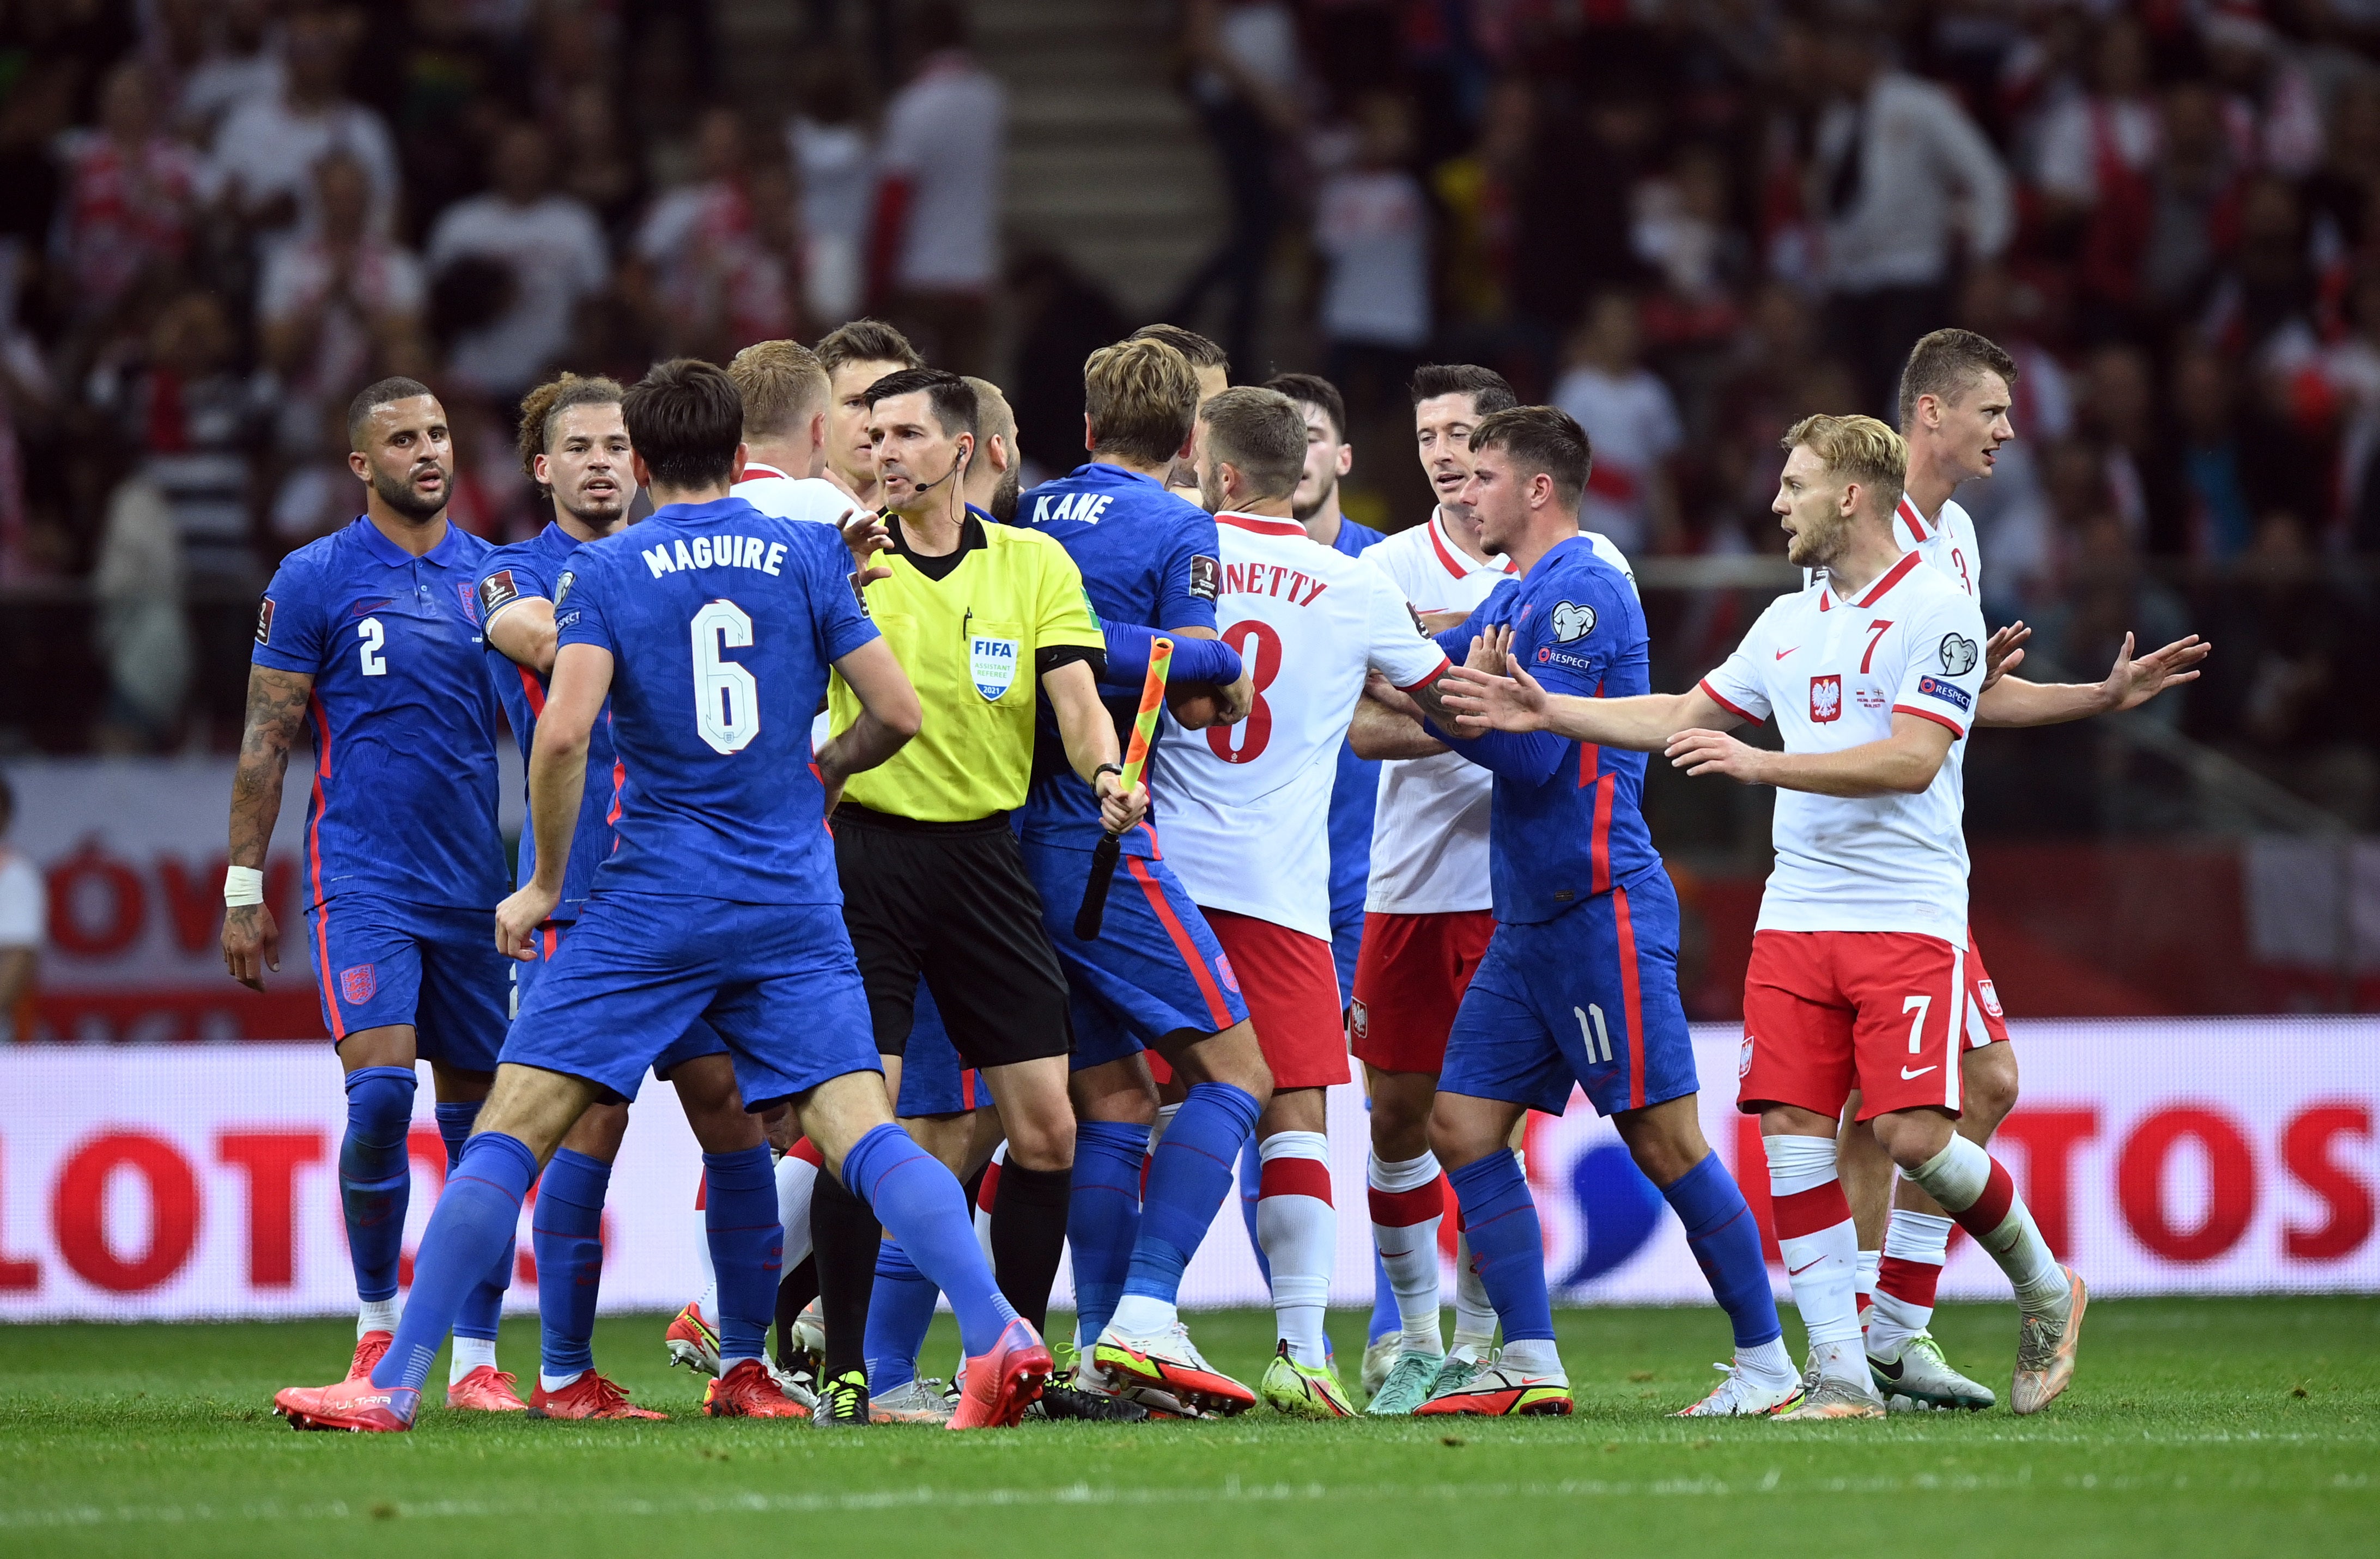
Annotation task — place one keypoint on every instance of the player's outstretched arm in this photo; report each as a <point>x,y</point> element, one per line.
<point>1902,764</point>
<point>1481,702</point>
<point>557,782</point>
<point>276,706</point>
<point>888,716</point>
<point>2131,683</point>
<point>524,634</point>
<point>1387,724</point>
<point>1090,738</point>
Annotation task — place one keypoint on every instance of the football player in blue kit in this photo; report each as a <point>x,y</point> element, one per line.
<point>371,634</point>
<point>1155,978</point>
<point>711,629</point>
<point>1579,983</point>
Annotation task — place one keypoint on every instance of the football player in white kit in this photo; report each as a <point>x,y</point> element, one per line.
<point>1246,828</point>
<point>785,392</point>
<point>1955,402</point>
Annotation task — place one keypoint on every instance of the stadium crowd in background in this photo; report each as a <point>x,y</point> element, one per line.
<point>1684,222</point>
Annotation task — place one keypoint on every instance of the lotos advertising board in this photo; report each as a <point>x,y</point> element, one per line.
<point>2165,1157</point>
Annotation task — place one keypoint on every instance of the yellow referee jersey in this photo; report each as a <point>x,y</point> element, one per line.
<point>968,641</point>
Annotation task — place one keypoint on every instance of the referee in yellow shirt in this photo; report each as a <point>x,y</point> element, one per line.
<point>933,882</point>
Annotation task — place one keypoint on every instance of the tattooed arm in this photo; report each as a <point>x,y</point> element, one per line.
<point>277,706</point>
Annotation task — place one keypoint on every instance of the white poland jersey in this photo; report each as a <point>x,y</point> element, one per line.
<point>1248,806</point>
<point>1834,674</point>
<point>1429,836</point>
<point>1948,544</point>
<point>793,498</point>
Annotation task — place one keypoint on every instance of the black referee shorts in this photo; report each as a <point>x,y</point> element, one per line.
<point>951,901</point>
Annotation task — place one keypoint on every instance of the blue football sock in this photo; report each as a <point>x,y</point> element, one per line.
<point>566,1230</point>
<point>1103,1216</point>
<point>485,1305</point>
<point>374,1178</point>
<point>900,1308</point>
<point>747,1245</point>
<point>1727,1242</point>
<point>921,1206</point>
<point>1188,1179</point>
<point>1507,1244</point>
<point>475,1223</point>
<point>1250,1192</point>
<point>1386,1320</point>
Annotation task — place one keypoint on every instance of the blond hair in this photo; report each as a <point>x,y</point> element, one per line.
<point>995,418</point>
<point>1855,449</point>
<point>1142,398</point>
<point>782,384</point>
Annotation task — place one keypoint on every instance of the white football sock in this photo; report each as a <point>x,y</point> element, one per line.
<point>1821,1248</point>
<point>797,1178</point>
<point>1297,1227</point>
<point>1768,1362</point>
<point>1975,1189</point>
<point>557,1382</point>
<point>1535,1356</point>
<point>1865,1285</point>
<point>1408,1242</point>
<point>1915,1246</point>
<point>1142,1315</point>
<point>471,1353</point>
<point>375,1316</point>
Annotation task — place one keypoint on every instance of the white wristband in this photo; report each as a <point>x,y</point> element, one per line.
<point>243,886</point>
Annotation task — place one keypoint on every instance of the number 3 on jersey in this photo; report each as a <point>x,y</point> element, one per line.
<point>1264,664</point>
<point>726,698</point>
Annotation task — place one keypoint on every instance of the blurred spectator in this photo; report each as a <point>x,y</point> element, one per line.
<point>239,65</point>
<point>2093,163</point>
<point>142,632</point>
<point>24,926</point>
<point>2270,110</point>
<point>831,153</point>
<point>337,310</point>
<point>1572,226</point>
<point>2119,409</point>
<point>2194,199</point>
<point>1900,173</point>
<point>196,421</point>
<point>1479,191</point>
<point>719,251</point>
<point>547,243</point>
<point>2339,194</point>
<point>132,193</point>
<point>1632,424</point>
<point>1062,317</point>
<point>937,236</point>
<point>1371,224</point>
<point>267,148</point>
<point>596,166</point>
<point>1244,82</point>
<point>2263,300</point>
<point>2219,521</point>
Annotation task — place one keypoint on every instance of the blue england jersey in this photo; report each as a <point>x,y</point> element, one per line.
<point>1148,557</point>
<point>405,720</point>
<point>1567,821</point>
<point>723,623</point>
<point>527,571</point>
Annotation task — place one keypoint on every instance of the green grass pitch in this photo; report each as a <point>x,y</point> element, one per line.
<point>2194,1427</point>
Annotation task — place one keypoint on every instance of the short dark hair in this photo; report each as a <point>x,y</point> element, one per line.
<point>1142,398</point>
<point>1202,353</point>
<point>371,397</point>
<point>1313,390</point>
<point>949,397</point>
<point>685,420</point>
<point>866,341</point>
<point>1489,390</point>
<point>550,400</point>
<point>1540,439</point>
<point>1262,433</point>
<point>1947,363</point>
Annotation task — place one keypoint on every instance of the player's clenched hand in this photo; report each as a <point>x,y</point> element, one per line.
<point>1490,652</point>
<point>518,917</point>
<point>1715,752</point>
<point>1120,809</point>
<point>864,533</point>
<point>1482,703</point>
<point>251,943</point>
<point>1381,691</point>
<point>2131,684</point>
<point>2004,652</point>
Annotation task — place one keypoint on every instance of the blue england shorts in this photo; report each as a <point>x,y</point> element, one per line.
<point>1589,996</point>
<point>1155,968</point>
<point>380,960</point>
<point>700,1039</point>
<point>933,1080</point>
<point>777,982</point>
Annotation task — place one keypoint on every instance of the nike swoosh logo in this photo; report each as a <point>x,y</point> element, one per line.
<point>1783,653</point>
<point>1906,1074</point>
<point>1798,1270</point>
<point>1889,1372</point>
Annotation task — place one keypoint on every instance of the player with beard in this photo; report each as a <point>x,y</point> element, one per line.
<point>371,632</point>
<point>855,356</point>
<point>992,486</point>
<point>1213,368</point>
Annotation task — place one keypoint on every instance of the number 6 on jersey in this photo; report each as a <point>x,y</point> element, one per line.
<point>726,698</point>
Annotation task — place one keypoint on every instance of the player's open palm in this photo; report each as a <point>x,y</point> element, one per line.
<point>2131,684</point>
<point>1482,702</point>
<point>1491,652</point>
<point>1715,752</point>
<point>2004,652</point>
<point>251,943</point>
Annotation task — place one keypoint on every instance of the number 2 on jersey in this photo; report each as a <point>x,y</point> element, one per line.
<point>1264,664</point>
<point>375,639</point>
<point>726,698</point>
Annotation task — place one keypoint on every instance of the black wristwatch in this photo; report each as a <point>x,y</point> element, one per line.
<point>1114,768</point>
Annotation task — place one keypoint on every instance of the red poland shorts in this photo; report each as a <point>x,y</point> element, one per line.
<point>1828,1011</point>
<point>1987,1024</point>
<point>1409,979</point>
<point>1291,989</point>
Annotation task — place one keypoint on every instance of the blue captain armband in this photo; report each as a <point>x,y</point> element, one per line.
<point>1199,660</point>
